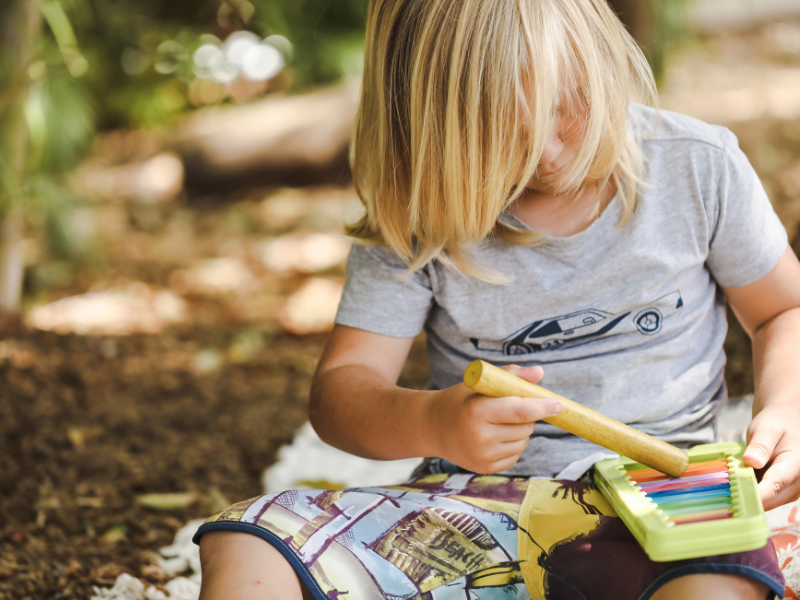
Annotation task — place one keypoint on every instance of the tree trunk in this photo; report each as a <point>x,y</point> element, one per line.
<point>20,28</point>
<point>654,24</point>
<point>637,16</point>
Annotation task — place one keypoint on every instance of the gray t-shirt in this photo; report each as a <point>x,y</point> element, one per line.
<point>627,320</point>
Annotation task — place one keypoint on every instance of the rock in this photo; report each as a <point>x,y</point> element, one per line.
<point>134,309</point>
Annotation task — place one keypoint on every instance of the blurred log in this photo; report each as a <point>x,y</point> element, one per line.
<point>20,28</point>
<point>289,140</point>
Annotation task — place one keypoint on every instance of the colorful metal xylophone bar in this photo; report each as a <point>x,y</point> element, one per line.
<point>703,493</point>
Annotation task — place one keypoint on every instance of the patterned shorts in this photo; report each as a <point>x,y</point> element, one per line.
<point>465,536</point>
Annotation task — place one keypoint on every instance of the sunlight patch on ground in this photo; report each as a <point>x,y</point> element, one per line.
<point>312,308</point>
<point>737,77</point>
<point>723,93</point>
<point>157,179</point>
<point>219,275</point>
<point>305,253</point>
<point>325,207</point>
<point>134,309</point>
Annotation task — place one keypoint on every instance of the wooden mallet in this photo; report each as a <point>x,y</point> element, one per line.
<point>589,424</point>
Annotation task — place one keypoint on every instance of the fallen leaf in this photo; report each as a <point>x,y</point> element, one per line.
<point>77,437</point>
<point>167,501</point>
<point>207,361</point>
<point>216,500</point>
<point>89,502</point>
<point>115,534</point>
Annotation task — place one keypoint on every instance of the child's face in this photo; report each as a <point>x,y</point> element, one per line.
<point>561,149</point>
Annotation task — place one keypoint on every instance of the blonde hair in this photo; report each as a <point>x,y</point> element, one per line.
<point>458,103</point>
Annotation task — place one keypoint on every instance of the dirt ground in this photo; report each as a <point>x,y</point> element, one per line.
<point>89,423</point>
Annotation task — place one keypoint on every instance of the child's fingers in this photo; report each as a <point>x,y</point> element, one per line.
<point>512,448</point>
<point>513,432</point>
<point>779,484</point>
<point>789,494</point>
<point>505,464</point>
<point>532,374</point>
<point>514,410</point>
<point>761,446</point>
<point>507,457</point>
<point>501,457</point>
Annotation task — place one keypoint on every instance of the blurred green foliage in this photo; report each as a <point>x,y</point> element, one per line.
<point>128,63</point>
<point>105,64</point>
<point>142,78</point>
<point>328,35</point>
<point>61,122</point>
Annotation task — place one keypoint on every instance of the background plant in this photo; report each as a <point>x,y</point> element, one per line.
<point>71,68</point>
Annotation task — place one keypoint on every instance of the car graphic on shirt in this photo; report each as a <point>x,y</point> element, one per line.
<point>582,327</point>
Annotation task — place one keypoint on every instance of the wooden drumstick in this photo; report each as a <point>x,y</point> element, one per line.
<point>589,424</point>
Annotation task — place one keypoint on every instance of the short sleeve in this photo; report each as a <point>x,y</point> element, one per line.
<point>747,238</point>
<point>378,298</point>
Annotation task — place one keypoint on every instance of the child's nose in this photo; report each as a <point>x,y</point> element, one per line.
<point>554,147</point>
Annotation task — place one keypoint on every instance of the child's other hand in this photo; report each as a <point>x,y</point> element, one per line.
<point>773,440</point>
<point>482,434</point>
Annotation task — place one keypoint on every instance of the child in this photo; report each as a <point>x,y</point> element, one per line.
<point>520,209</point>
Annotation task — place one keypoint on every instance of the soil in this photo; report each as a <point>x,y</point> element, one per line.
<point>89,423</point>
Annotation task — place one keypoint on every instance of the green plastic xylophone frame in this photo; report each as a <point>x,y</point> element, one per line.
<point>662,539</point>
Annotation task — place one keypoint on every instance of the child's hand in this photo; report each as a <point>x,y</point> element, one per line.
<point>773,439</point>
<point>482,434</point>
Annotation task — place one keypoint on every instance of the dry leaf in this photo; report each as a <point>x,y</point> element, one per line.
<point>167,501</point>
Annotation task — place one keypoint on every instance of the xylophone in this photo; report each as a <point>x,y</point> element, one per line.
<point>714,508</point>
<point>685,505</point>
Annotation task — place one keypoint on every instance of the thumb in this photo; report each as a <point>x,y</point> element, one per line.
<point>760,448</point>
<point>532,374</point>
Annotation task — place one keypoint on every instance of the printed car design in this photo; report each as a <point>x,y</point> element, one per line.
<point>582,327</point>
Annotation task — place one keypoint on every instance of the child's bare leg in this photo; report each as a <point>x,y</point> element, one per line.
<point>707,586</point>
<point>240,566</point>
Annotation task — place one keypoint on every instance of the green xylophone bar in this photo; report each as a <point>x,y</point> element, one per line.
<point>713,508</point>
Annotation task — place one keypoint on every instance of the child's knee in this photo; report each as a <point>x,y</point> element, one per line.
<point>711,586</point>
<point>212,547</point>
<point>241,565</point>
<point>228,547</point>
